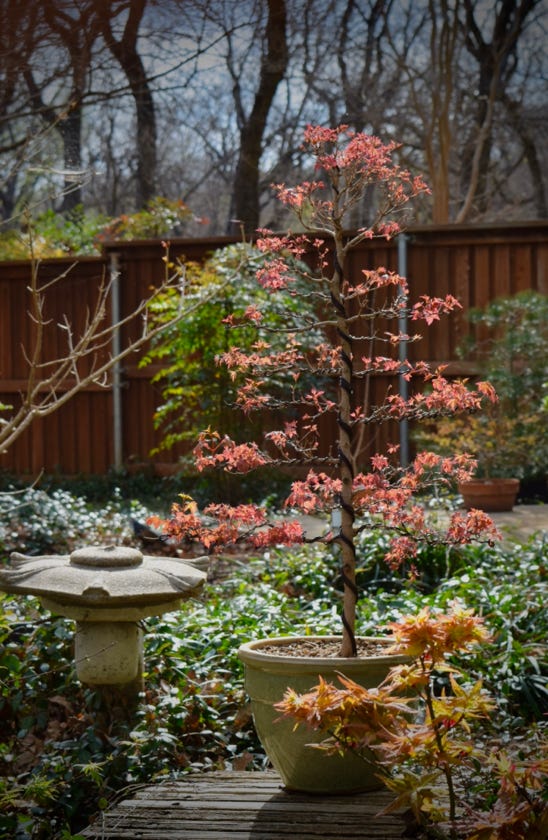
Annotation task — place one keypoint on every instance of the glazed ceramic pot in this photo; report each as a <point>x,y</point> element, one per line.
<point>269,674</point>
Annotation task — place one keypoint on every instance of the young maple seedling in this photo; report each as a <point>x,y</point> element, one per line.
<point>421,736</point>
<point>357,321</point>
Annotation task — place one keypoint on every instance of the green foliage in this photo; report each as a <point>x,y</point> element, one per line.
<point>512,352</point>
<point>160,217</point>
<point>34,521</point>
<point>509,588</point>
<point>52,234</point>
<point>80,232</point>
<point>58,768</point>
<point>198,392</point>
<point>510,345</point>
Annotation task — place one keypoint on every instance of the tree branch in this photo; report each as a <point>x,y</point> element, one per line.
<point>52,383</point>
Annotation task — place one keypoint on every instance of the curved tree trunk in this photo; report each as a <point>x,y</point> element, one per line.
<point>345,537</point>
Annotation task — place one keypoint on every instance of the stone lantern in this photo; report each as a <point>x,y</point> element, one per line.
<point>106,591</point>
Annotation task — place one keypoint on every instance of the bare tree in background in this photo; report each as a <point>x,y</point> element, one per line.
<point>22,130</point>
<point>125,50</point>
<point>343,50</point>
<point>244,209</point>
<point>526,124</point>
<point>348,70</point>
<point>424,47</point>
<point>74,29</point>
<point>497,60</point>
<point>57,47</point>
<point>455,81</point>
<point>219,92</point>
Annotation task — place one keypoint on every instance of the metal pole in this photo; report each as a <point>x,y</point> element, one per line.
<point>116,347</point>
<point>402,324</point>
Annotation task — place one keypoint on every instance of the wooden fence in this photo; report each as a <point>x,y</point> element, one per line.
<point>476,264</point>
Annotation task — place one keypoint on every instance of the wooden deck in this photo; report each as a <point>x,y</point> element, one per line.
<point>244,806</point>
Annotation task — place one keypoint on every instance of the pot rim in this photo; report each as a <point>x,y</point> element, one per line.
<point>487,482</point>
<point>251,654</point>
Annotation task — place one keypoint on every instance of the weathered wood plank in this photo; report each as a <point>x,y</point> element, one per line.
<point>244,806</point>
<point>284,805</point>
<point>266,829</point>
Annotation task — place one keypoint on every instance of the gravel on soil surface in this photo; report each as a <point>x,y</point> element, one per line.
<point>327,648</point>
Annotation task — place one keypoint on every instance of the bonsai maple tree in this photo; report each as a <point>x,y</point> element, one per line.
<point>356,319</point>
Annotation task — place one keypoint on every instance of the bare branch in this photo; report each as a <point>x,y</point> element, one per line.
<point>53,382</point>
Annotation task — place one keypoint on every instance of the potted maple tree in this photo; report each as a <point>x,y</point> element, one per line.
<point>361,324</point>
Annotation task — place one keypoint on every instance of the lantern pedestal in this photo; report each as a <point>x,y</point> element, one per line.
<point>107,591</point>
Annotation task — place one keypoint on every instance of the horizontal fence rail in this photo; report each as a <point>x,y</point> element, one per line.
<point>99,429</point>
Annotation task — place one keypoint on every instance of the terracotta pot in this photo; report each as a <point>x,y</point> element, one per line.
<point>302,768</point>
<point>489,494</point>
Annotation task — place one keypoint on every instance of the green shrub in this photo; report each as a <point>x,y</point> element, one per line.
<point>197,391</point>
<point>52,234</point>
<point>80,232</point>
<point>510,347</point>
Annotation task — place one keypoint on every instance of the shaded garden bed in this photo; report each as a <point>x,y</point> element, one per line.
<point>58,770</point>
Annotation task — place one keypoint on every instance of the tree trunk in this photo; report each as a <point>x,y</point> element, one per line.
<point>126,53</point>
<point>497,62</point>
<point>531,155</point>
<point>71,132</point>
<point>244,210</point>
<point>77,35</point>
<point>345,536</point>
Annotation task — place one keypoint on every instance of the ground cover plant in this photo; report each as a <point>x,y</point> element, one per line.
<point>58,769</point>
<point>34,521</point>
